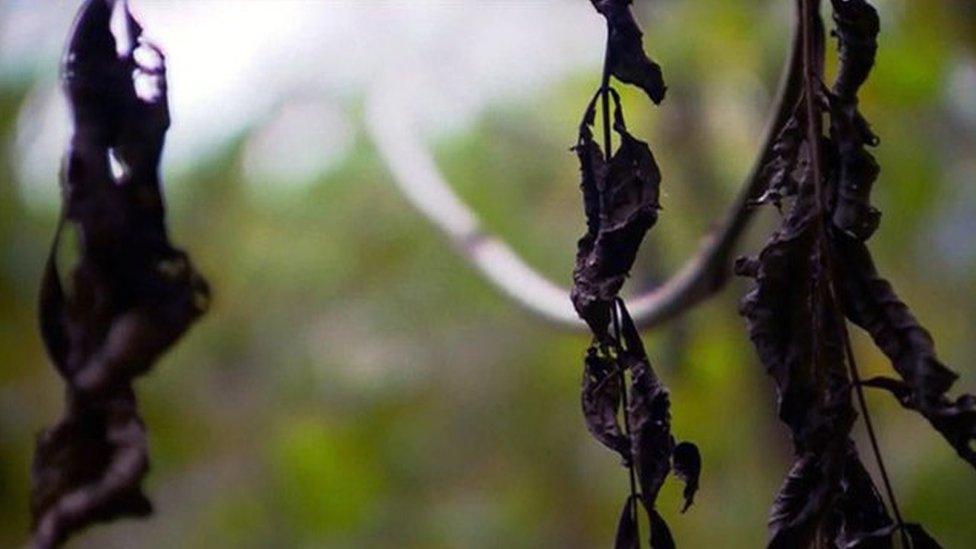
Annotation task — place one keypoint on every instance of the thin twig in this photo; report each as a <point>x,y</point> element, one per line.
<point>631,471</point>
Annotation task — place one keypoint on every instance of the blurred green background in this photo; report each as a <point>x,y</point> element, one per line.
<point>357,384</point>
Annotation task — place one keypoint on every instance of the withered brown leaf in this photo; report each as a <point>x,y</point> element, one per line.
<point>621,204</point>
<point>686,460</point>
<point>625,50</point>
<point>627,526</point>
<point>601,401</point>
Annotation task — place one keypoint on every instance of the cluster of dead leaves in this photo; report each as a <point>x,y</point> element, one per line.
<point>113,306</point>
<point>813,276</point>
<point>620,197</point>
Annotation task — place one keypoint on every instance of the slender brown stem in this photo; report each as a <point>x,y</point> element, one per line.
<point>862,403</point>
<point>614,313</point>
<point>811,87</point>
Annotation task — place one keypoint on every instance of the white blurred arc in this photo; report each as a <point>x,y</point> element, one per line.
<point>390,123</point>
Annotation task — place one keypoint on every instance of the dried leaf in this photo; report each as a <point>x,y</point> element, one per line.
<point>621,203</point>
<point>649,414</point>
<point>920,538</point>
<point>871,303</point>
<point>88,469</point>
<point>650,430</point>
<point>955,420</point>
<point>790,166</point>
<point>593,172</point>
<point>790,519</point>
<point>857,31</point>
<point>860,517</point>
<point>627,526</point>
<point>783,173</point>
<point>661,537</point>
<point>686,460</point>
<point>804,500</point>
<point>857,171</point>
<point>626,57</point>
<point>790,323</point>
<point>601,402</point>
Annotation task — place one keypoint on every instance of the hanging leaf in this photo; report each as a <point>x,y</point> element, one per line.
<point>649,414</point>
<point>627,526</point>
<point>782,174</point>
<point>920,538</point>
<point>625,50</point>
<point>661,537</point>
<point>790,324</point>
<point>621,204</point>
<point>857,31</point>
<point>857,171</point>
<point>126,296</point>
<point>686,460</point>
<point>650,430</point>
<point>652,445</point>
<point>790,164</point>
<point>857,28</point>
<point>859,518</point>
<point>955,420</point>
<point>601,402</point>
<point>88,469</point>
<point>871,303</point>
<point>792,519</point>
<point>804,501</point>
<point>589,295</point>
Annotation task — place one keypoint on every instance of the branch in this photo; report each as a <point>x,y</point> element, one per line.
<point>389,124</point>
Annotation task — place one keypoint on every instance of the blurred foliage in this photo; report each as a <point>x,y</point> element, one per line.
<point>358,385</point>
